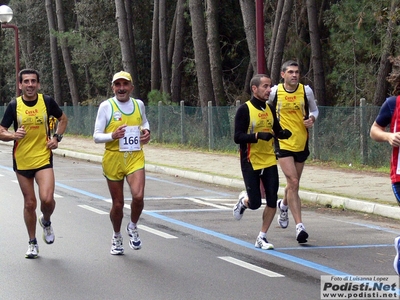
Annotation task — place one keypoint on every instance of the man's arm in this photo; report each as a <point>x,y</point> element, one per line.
<point>379,134</point>
<point>62,124</point>
<point>101,122</point>
<point>7,136</point>
<point>312,104</point>
<point>242,120</point>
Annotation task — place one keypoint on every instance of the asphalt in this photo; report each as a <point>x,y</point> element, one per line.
<point>362,191</point>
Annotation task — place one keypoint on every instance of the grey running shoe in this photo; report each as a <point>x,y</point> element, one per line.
<point>263,244</point>
<point>116,247</point>
<point>135,243</point>
<point>239,207</point>
<point>33,251</point>
<point>283,218</point>
<point>48,233</point>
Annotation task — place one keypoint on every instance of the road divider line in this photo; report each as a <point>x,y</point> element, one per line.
<point>206,203</point>
<point>250,267</point>
<point>97,211</point>
<point>143,227</point>
<point>157,232</point>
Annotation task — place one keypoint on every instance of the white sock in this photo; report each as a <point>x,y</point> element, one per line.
<point>132,225</point>
<point>300,225</point>
<point>117,234</point>
<point>262,234</point>
<point>283,206</point>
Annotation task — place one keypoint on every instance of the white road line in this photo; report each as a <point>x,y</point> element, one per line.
<point>206,203</point>
<point>97,211</point>
<point>157,232</point>
<point>143,227</point>
<point>250,267</point>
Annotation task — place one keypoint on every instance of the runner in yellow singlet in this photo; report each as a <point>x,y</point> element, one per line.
<point>122,125</point>
<point>256,127</point>
<point>32,156</point>
<point>297,111</point>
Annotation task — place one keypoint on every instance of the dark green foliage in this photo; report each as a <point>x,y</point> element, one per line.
<point>352,36</point>
<point>356,38</point>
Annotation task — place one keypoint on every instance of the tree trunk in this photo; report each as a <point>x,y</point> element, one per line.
<point>202,59</point>
<point>171,40</point>
<point>125,40</point>
<point>385,66</point>
<point>177,58</point>
<point>155,50</point>
<point>316,53</point>
<point>131,42</point>
<point>54,53</point>
<point>248,8</point>
<point>162,31</point>
<point>66,54</point>
<point>280,40</point>
<point>278,14</point>
<point>221,117</point>
<point>215,53</point>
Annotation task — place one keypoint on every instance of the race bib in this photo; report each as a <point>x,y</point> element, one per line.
<point>131,139</point>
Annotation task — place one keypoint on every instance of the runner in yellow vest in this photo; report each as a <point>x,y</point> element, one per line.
<point>122,125</point>
<point>256,128</point>
<point>297,111</point>
<point>32,156</point>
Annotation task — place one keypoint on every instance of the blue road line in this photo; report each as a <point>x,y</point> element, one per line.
<point>6,168</point>
<point>80,191</point>
<point>230,239</point>
<point>366,226</point>
<point>281,255</point>
<point>275,253</point>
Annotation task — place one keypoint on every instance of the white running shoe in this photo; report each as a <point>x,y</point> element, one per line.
<point>239,207</point>
<point>283,218</point>
<point>48,233</point>
<point>116,247</point>
<point>301,234</point>
<point>33,251</point>
<point>135,243</point>
<point>263,244</point>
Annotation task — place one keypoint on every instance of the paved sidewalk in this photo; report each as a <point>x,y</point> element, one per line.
<point>362,191</point>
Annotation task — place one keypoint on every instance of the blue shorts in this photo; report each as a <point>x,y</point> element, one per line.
<point>396,191</point>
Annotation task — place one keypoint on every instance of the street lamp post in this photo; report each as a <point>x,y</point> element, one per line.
<point>6,15</point>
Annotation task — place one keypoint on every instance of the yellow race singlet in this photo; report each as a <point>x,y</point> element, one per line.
<point>261,154</point>
<point>118,163</point>
<point>31,152</point>
<point>119,118</point>
<point>290,110</point>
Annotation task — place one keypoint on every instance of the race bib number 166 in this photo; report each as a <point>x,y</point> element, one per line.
<point>131,140</point>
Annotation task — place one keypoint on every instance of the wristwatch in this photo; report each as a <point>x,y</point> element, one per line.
<point>58,137</point>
